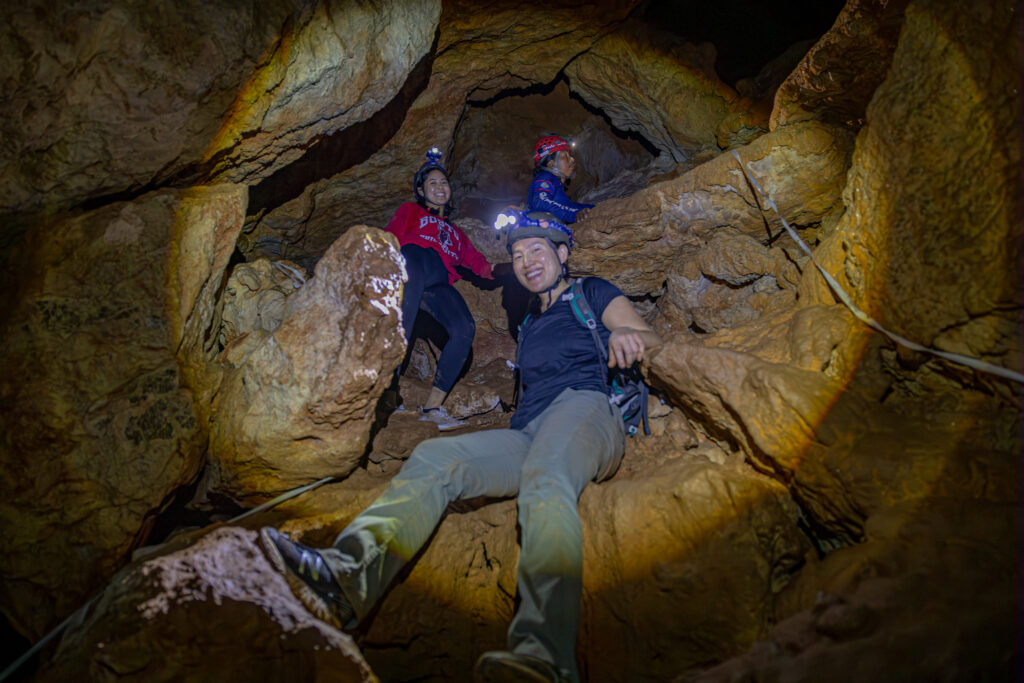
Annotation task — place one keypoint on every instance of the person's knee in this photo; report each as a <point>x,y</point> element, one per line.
<point>429,457</point>
<point>540,485</point>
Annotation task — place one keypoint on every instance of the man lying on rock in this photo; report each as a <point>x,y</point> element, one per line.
<point>563,435</point>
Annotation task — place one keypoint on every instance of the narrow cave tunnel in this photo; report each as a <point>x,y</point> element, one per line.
<point>203,314</point>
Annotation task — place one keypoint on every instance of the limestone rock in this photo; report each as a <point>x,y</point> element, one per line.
<point>480,52</point>
<point>653,85</point>
<point>840,73</point>
<point>105,98</point>
<point>300,406</point>
<point>935,256</point>
<point>748,118</point>
<point>255,297</point>
<point>662,557</point>
<point>635,241</point>
<point>98,413</point>
<point>804,395</point>
<point>732,280</point>
<point>217,610</point>
<point>929,594</point>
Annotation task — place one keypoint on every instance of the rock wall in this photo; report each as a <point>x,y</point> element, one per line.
<point>813,502</point>
<point>478,55</point>
<point>101,426</point>
<point>107,97</point>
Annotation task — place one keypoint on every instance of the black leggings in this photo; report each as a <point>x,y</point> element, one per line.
<point>428,289</point>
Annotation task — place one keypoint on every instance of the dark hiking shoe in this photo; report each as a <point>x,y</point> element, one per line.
<point>309,577</point>
<point>508,667</point>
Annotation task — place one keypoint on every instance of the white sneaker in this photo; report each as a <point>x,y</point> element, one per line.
<point>441,418</point>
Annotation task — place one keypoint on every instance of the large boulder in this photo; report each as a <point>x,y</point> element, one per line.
<point>104,97</point>
<point>215,610</point>
<point>107,327</point>
<point>635,241</point>
<point>299,405</point>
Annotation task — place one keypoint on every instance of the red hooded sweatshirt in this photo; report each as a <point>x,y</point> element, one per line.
<point>412,224</point>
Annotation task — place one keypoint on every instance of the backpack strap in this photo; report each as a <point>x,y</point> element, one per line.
<point>523,326</point>
<point>585,314</point>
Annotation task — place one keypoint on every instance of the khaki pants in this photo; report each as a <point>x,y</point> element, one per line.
<point>579,438</point>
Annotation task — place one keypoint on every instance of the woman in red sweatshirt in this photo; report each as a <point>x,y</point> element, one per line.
<point>432,248</point>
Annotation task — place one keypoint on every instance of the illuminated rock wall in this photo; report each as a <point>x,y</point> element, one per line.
<point>814,502</point>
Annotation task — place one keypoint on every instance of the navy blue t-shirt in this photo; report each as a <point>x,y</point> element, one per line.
<point>557,352</point>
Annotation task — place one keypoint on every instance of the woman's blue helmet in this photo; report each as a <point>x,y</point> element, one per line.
<point>523,224</point>
<point>433,163</point>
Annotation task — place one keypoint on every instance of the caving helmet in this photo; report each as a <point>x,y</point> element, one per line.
<point>548,145</point>
<point>533,224</point>
<point>433,163</point>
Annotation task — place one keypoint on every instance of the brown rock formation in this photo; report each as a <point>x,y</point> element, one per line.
<point>100,427</point>
<point>935,254</point>
<point>664,89</point>
<point>636,241</point>
<point>839,75</point>
<point>255,298</point>
<point>479,54</point>
<point>814,502</point>
<point>112,97</point>
<point>300,405</point>
<point>217,607</point>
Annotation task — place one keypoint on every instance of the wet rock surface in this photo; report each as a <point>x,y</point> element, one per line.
<point>299,407</point>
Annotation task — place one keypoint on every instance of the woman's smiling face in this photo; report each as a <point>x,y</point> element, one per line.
<point>536,264</point>
<point>436,191</point>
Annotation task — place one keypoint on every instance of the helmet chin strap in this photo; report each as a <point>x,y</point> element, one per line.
<point>561,276</point>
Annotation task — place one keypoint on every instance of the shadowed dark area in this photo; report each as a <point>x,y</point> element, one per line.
<point>747,33</point>
<point>332,154</point>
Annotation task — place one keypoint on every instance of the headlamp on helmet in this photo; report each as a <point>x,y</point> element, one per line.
<point>548,145</point>
<point>534,224</point>
<point>433,163</point>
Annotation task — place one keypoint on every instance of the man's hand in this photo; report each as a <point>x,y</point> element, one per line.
<point>625,346</point>
<point>582,214</point>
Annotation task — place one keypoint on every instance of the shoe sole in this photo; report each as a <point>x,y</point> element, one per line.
<point>306,595</point>
<point>497,402</point>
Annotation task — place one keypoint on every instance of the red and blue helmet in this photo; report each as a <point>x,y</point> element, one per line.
<point>548,145</point>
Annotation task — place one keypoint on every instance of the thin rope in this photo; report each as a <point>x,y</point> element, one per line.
<point>975,363</point>
<point>280,499</point>
<point>81,610</point>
